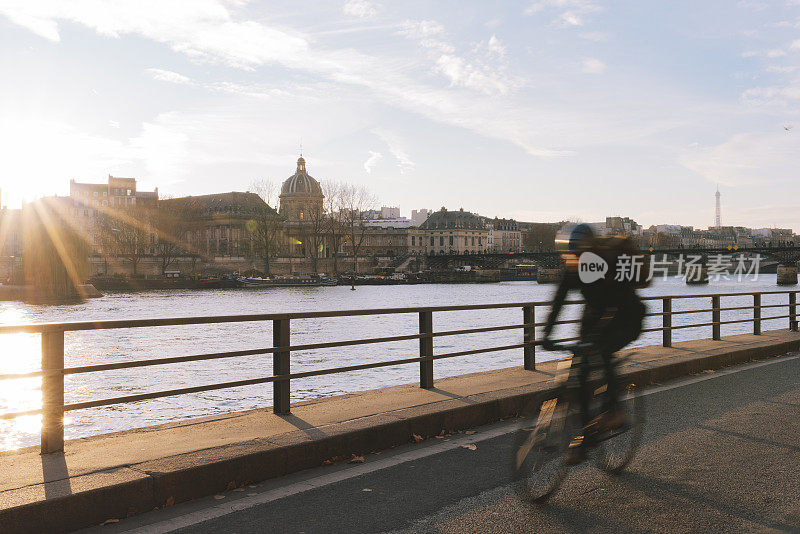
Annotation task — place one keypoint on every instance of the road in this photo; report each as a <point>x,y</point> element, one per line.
<point>721,453</point>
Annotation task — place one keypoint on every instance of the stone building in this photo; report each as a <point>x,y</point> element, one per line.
<point>455,232</point>
<point>88,203</point>
<point>504,235</point>
<point>221,226</point>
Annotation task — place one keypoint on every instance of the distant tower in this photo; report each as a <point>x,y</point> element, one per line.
<point>719,210</point>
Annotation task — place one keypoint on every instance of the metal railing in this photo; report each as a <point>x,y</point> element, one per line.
<point>53,371</point>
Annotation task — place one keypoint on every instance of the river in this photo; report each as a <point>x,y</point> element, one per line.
<point>21,352</point>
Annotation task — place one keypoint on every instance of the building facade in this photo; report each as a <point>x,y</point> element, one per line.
<point>455,232</point>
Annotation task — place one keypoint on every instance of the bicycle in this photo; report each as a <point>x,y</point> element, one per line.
<point>548,427</point>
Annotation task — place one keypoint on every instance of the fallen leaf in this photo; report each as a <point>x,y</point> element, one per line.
<point>470,446</point>
<point>231,485</point>
<point>219,497</point>
<point>327,462</point>
<point>708,371</point>
<point>356,459</point>
<point>443,432</point>
<point>239,490</point>
<point>469,432</point>
<point>438,437</point>
<point>366,489</point>
<point>170,502</point>
<point>417,438</point>
<point>110,521</point>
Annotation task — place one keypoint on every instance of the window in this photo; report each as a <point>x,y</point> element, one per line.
<point>473,241</point>
<point>451,241</point>
<point>479,241</point>
<point>431,240</point>
<point>441,241</point>
<point>412,240</point>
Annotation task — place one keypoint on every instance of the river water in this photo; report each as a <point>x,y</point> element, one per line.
<point>21,352</point>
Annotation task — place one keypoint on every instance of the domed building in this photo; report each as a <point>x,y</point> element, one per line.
<point>301,207</point>
<point>300,193</point>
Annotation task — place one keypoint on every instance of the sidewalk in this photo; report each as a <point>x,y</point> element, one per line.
<point>113,475</point>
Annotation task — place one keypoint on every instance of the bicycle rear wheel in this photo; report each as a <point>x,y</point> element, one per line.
<point>541,444</point>
<point>614,453</point>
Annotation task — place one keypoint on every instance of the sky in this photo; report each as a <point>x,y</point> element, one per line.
<point>541,110</point>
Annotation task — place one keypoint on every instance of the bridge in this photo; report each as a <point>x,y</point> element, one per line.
<point>352,463</point>
<point>784,255</point>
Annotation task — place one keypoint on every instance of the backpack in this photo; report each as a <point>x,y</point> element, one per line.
<point>627,265</point>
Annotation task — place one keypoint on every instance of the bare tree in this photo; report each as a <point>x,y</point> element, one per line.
<point>171,226</point>
<point>268,225</point>
<point>314,232</point>
<point>355,200</point>
<point>126,234</point>
<point>333,226</point>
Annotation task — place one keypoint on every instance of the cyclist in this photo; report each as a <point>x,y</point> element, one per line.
<point>612,318</point>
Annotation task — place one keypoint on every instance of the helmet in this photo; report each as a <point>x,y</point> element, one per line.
<point>571,237</point>
<point>579,235</point>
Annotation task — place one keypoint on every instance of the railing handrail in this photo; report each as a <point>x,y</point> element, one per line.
<point>71,326</point>
<point>53,369</point>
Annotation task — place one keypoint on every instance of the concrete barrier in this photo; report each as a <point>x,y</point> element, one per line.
<point>787,275</point>
<point>114,475</point>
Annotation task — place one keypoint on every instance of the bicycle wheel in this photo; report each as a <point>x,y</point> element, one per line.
<point>541,444</point>
<point>615,452</point>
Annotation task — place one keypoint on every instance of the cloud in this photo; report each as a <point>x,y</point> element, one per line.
<point>206,32</point>
<point>783,69</point>
<point>597,37</point>
<point>484,69</point>
<point>372,160</point>
<point>396,149</point>
<point>201,29</point>
<point>113,124</point>
<point>169,76</point>
<point>748,159</point>
<point>570,12</point>
<point>773,95</point>
<point>359,8</point>
<point>593,65</point>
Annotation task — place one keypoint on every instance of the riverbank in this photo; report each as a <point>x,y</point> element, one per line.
<point>115,475</point>
<point>31,294</point>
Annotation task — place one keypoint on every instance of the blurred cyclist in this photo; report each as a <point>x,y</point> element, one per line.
<point>612,318</point>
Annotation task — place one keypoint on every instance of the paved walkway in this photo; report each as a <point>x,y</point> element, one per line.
<point>720,454</point>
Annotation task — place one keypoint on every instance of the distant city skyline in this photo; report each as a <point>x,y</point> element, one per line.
<point>539,110</point>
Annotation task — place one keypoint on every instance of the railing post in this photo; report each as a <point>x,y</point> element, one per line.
<point>52,392</point>
<point>426,350</point>
<point>715,317</point>
<point>528,337</point>
<point>756,314</point>
<point>281,366</point>
<point>666,321</point>
<point>793,311</point>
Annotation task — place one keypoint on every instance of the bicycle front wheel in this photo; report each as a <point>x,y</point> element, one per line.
<point>617,451</point>
<point>541,445</point>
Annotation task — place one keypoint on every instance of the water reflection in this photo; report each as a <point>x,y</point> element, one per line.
<point>21,352</point>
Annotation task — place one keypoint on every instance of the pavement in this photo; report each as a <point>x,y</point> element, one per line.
<point>720,454</point>
<point>113,476</point>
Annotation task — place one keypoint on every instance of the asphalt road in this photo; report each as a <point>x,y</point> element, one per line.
<point>721,453</point>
